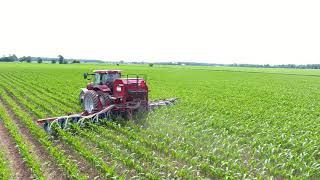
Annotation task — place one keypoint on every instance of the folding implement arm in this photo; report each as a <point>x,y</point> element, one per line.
<point>64,121</point>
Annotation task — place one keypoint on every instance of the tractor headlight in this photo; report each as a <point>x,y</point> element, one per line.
<point>118,89</point>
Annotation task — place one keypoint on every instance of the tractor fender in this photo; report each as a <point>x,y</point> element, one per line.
<point>103,88</point>
<point>84,90</point>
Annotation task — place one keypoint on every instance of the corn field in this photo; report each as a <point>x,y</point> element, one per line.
<point>229,123</point>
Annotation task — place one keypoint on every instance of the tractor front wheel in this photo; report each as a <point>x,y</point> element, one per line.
<point>81,97</point>
<point>90,101</point>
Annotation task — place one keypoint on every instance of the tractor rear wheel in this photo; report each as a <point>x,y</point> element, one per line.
<point>104,99</point>
<point>90,101</point>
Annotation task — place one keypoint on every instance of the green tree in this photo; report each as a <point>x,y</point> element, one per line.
<point>23,58</point>
<point>53,61</point>
<point>10,58</point>
<point>61,59</point>
<point>28,59</point>
<point>39,60</point>
<point>14,57</point>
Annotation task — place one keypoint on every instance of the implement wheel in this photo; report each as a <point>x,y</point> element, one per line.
<point>90,101</point>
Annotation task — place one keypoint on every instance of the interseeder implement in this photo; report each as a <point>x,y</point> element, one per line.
<point>108,96</point>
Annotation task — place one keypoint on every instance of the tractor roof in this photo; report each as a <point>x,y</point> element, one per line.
<point>107,71</point>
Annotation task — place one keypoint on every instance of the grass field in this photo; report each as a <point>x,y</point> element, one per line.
<point>228,123</point>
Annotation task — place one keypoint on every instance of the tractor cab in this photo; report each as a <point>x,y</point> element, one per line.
<point>105,76</point>
<point>102,79</point>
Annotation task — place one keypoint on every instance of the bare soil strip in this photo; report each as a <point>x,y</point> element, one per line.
<point>51,171</point>
<point>84,167</point>
<point>18,168</point>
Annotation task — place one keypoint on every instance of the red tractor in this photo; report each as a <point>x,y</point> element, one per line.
<point>107,88</point>
<point>108,94</point>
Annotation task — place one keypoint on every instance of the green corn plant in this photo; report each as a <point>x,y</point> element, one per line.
<point>70,168</point>
<point>5,172</point>
<point>22,145</point>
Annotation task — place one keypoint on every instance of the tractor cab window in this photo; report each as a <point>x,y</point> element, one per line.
<point>109,78</point>
<point>96,79</point>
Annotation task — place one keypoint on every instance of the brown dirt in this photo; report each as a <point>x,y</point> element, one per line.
<point>83,165</point>
<point>18,168</point>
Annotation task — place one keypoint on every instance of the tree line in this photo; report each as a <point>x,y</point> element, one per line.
<point>60,59</point>
<point>293,66</point>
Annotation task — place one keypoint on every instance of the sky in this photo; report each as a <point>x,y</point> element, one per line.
<point>224,31</point>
